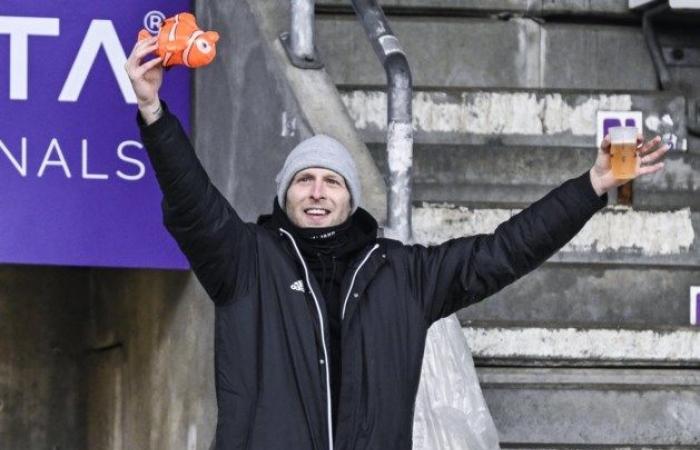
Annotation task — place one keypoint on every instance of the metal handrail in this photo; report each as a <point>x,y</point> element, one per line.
<point>399,116</point>
<point>302,32</point>
<point>663,75</point>
<point>653,44</point>
<point>299,41</point>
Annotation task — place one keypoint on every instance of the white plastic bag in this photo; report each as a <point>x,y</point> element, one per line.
<point>451,413</point>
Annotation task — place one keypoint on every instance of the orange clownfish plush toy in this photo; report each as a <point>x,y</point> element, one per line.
<point>180,41</point>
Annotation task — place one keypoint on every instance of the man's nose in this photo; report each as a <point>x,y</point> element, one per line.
<point>317,191</point>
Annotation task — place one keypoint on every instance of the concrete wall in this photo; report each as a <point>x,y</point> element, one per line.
<point>104,359</point>
<point>151,385</point>
<point>265,107</point>
<point>42,357</point>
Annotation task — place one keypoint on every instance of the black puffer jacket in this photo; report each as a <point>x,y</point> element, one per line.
<point>271,337</point>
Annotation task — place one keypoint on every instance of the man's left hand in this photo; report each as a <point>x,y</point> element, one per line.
<point>648,155</point>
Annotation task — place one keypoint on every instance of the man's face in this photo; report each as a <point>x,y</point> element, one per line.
<point>317,198</point>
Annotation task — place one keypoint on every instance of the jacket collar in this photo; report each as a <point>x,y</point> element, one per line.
<point>345,241</point>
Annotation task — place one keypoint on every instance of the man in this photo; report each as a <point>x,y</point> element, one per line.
<point>320,324</point>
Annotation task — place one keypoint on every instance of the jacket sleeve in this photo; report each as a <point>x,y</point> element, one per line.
<point>205,226</point>
<point>466,270</point>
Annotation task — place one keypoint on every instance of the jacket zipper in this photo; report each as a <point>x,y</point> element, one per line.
<point>354,275</point>
<point>326,363</point>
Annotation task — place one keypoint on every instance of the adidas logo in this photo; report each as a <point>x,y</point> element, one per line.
<point>298,286</point>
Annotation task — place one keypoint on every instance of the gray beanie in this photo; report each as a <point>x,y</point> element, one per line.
<point>320,151</point>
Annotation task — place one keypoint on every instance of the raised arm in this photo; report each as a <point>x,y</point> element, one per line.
<point>466,270</point>
<point>205,226</point>
<point>146,79</point>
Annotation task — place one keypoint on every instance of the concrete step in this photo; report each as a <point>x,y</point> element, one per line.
<point>487,52</point>
<point>659,238</point>
<point>507,148</point>
<point>536,8</point>
<point>555,446</point>
<point>531,117</point>
<point>499,176</point>
<point>561,387</point>
<point>619,408</point>
<point>585,294</point>
<point>603,276</point>
<point>608,274</point>
<point>531,124</point>
<point>553,346</point>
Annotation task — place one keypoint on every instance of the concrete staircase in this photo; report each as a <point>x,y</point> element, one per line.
<point>593,350</point>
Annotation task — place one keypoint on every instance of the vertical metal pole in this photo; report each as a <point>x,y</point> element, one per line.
<point>299,42</point>
<point>399,117</point>
<point>301,37</point>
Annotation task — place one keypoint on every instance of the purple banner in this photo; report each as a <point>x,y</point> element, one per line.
<point>77,187</point>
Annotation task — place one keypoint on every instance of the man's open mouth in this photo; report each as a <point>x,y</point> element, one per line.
<point>317,212</point>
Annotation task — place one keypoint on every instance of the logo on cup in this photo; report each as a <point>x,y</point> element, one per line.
<point>609,119</point>
<point>153,20</point>
<point>613,122</point>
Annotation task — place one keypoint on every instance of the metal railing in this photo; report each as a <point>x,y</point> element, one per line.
<point>399,117</point>
<point>299,44</point>
<point>299,41</point>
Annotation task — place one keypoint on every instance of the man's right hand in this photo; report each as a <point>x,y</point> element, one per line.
<point>146,79</point>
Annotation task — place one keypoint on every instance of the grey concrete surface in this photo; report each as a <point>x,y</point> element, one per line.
<point>560,294</point>
<point>104,359</point>
<point>478,52</point>
<point>42,393</point>
<point>514,346</point>
<point>678,184</point>
<point>529,7</point>
<point>515,176</point>
<point>595,407</point>
<point>104,406</point>
<point>533,117</point>
<point>504,176</point>
<point>663,238</point>
<point>264,108</point>
<point>151,378</point>
<point>251,121</point>
<point>591,377</point>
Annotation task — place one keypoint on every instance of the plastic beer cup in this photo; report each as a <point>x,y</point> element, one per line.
<point>623,152</point>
